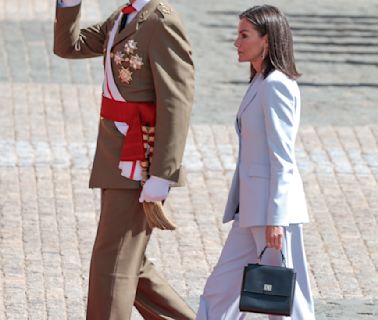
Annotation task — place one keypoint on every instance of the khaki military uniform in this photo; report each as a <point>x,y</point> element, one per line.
<point>121,276</point>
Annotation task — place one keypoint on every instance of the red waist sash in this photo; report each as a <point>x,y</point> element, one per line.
<point>136,115</point>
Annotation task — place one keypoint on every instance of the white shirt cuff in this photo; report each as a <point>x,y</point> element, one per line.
<point>67,3</point>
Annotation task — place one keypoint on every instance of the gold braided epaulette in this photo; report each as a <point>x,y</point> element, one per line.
<point>164,9</point>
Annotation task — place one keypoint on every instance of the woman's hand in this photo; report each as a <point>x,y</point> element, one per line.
<point>274,236</point>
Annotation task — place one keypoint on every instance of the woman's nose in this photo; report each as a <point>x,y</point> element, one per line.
<point>236,43</point>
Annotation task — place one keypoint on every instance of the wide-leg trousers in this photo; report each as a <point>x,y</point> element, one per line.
<point>220,299</point>
<point>120,274</point>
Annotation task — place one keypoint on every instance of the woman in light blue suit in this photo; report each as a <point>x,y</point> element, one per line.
<point>266,200</point>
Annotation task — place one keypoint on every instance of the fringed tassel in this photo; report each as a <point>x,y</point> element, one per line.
<point>154,211</point>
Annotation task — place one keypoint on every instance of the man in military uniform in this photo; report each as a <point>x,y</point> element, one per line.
<point>148,85</point>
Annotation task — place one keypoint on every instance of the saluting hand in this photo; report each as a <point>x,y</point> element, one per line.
<point>274,236</point>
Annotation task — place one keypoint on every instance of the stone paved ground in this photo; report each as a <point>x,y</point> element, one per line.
<point>48,123</point>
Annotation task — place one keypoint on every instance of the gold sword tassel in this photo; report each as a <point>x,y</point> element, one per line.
<point>155,216</point>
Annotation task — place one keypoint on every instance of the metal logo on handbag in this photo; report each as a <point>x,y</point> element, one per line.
<point>268,289</point>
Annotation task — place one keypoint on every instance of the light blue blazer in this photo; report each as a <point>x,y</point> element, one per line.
<point>266,185</point>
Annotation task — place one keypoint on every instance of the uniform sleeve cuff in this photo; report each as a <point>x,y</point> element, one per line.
<point>67,3</point>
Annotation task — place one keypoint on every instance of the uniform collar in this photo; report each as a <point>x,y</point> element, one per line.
<point>139,4</point>
<point>144,9</point>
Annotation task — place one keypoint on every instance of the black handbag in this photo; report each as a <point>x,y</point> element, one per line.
<point>268,289</point>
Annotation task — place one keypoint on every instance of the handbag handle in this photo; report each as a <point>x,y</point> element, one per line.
<point>262,253</point>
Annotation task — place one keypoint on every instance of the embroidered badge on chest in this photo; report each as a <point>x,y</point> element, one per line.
<point>128,61</point>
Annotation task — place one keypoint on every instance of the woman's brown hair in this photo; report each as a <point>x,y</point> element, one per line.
<point>268,20</point>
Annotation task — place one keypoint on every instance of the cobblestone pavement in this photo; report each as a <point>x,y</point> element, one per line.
<point>48,126</point>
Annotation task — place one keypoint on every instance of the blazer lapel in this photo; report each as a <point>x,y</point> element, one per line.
<point>248,98</point>
<point>128,30</point>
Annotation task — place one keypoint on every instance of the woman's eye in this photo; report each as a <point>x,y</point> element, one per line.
<point>243,36</point>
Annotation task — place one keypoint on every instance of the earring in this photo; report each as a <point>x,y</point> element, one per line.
<point>263,54</point>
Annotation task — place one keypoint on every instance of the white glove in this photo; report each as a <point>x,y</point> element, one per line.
<point>68,3</point>
<point>155,189</point>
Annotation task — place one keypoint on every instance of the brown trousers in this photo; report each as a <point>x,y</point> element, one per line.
<point>120,274</point>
